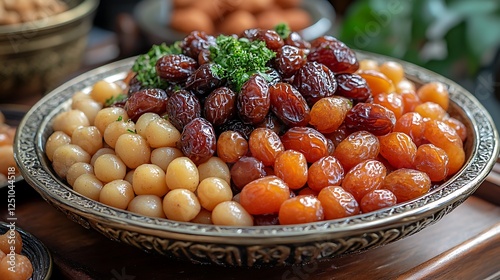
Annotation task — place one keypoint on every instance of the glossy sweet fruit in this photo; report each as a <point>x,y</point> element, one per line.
<point>289,105</point>
<point>301,209</point>
<point>327,171</point>
<point>315,81</point>
<point>407,184</point>
<point>220,106</point>
<point>291,166</point>
<point>265,145</point>
<point>289,60</point>
<point>434,92</point>
<point>377,199</point>
<point>446,138</point>
<point>333,53</point>
<point>306,140</point>
<point>398,149</point>
<point>378,82</point>
<point>245,170</point>
<point>175,67</point>
<point>337,203</point>
<point>182,107</point>
<point>357,147</point>
<point>198,140</point>
<point>433,161</point>
<point>329,113</point>
<point>364,178</point>
<point>253,102</point>
<point>353,87</point>
<point>144,101</point>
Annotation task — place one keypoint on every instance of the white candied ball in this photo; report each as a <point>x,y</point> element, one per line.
<point>108,115</point>
<point>70,120</point>
<point>149,179</point>
<point>56,140</point>
<point>67,155</point>
<point>182,173</point>
<point>212,191</point>
<point>117,193</point>
<point>109,167</point>
<point>231,213</point>
<point>147,205</point>
<point>87,137</point>
<point>133,149</point>
<point>78,169</point>
<point>88,185</point>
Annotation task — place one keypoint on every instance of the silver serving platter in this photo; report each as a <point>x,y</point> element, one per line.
<point>35,251</point>
<point>262,245</point>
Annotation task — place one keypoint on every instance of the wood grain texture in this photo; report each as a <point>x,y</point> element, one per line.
<point>473,253</point>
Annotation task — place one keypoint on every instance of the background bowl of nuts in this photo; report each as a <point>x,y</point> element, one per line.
<point>169,21</point>
<point>41,42</point>
<point>32,258</point>
<point>257,245</point>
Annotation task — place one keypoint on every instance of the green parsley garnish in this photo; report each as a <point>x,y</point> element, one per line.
<point>145,64</point>
<point>120,118</point>
<point>132,131</point>
<point>115,99</point>
<point>238,59</point>
<point>283,30</point>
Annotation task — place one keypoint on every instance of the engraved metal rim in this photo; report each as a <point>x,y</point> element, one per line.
<point>36,251</point>
<point>29,154</point>
<point>79,11</point>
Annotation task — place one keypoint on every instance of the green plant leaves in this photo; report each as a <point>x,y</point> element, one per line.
<point>464,32</point>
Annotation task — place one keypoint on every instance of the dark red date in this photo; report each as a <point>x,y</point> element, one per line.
<point>353,87</point>
<point>294,39</point>
<point>237,125</point>
<point>334,54</point>
<point>289,105</point>
<point>220,106</point>
<point>315,81</point>
<point>203,80</point>
<point>289,60</point>
<point>253,101</point>
<point>245,170</point>
<point>270,37</point>
<point>175,68</point>
<point>196,42</point>
<point>182,107</point>
<point>134,86</point>
<point>273,123</point>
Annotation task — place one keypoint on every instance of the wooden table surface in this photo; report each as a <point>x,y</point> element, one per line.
<point>465,244</point>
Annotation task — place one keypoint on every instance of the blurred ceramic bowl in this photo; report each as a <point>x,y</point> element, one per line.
<point>37,55</point>
<point>256,245</point>
<point>12,114</point>
<point>35,251</point>
<point>153,16</point>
